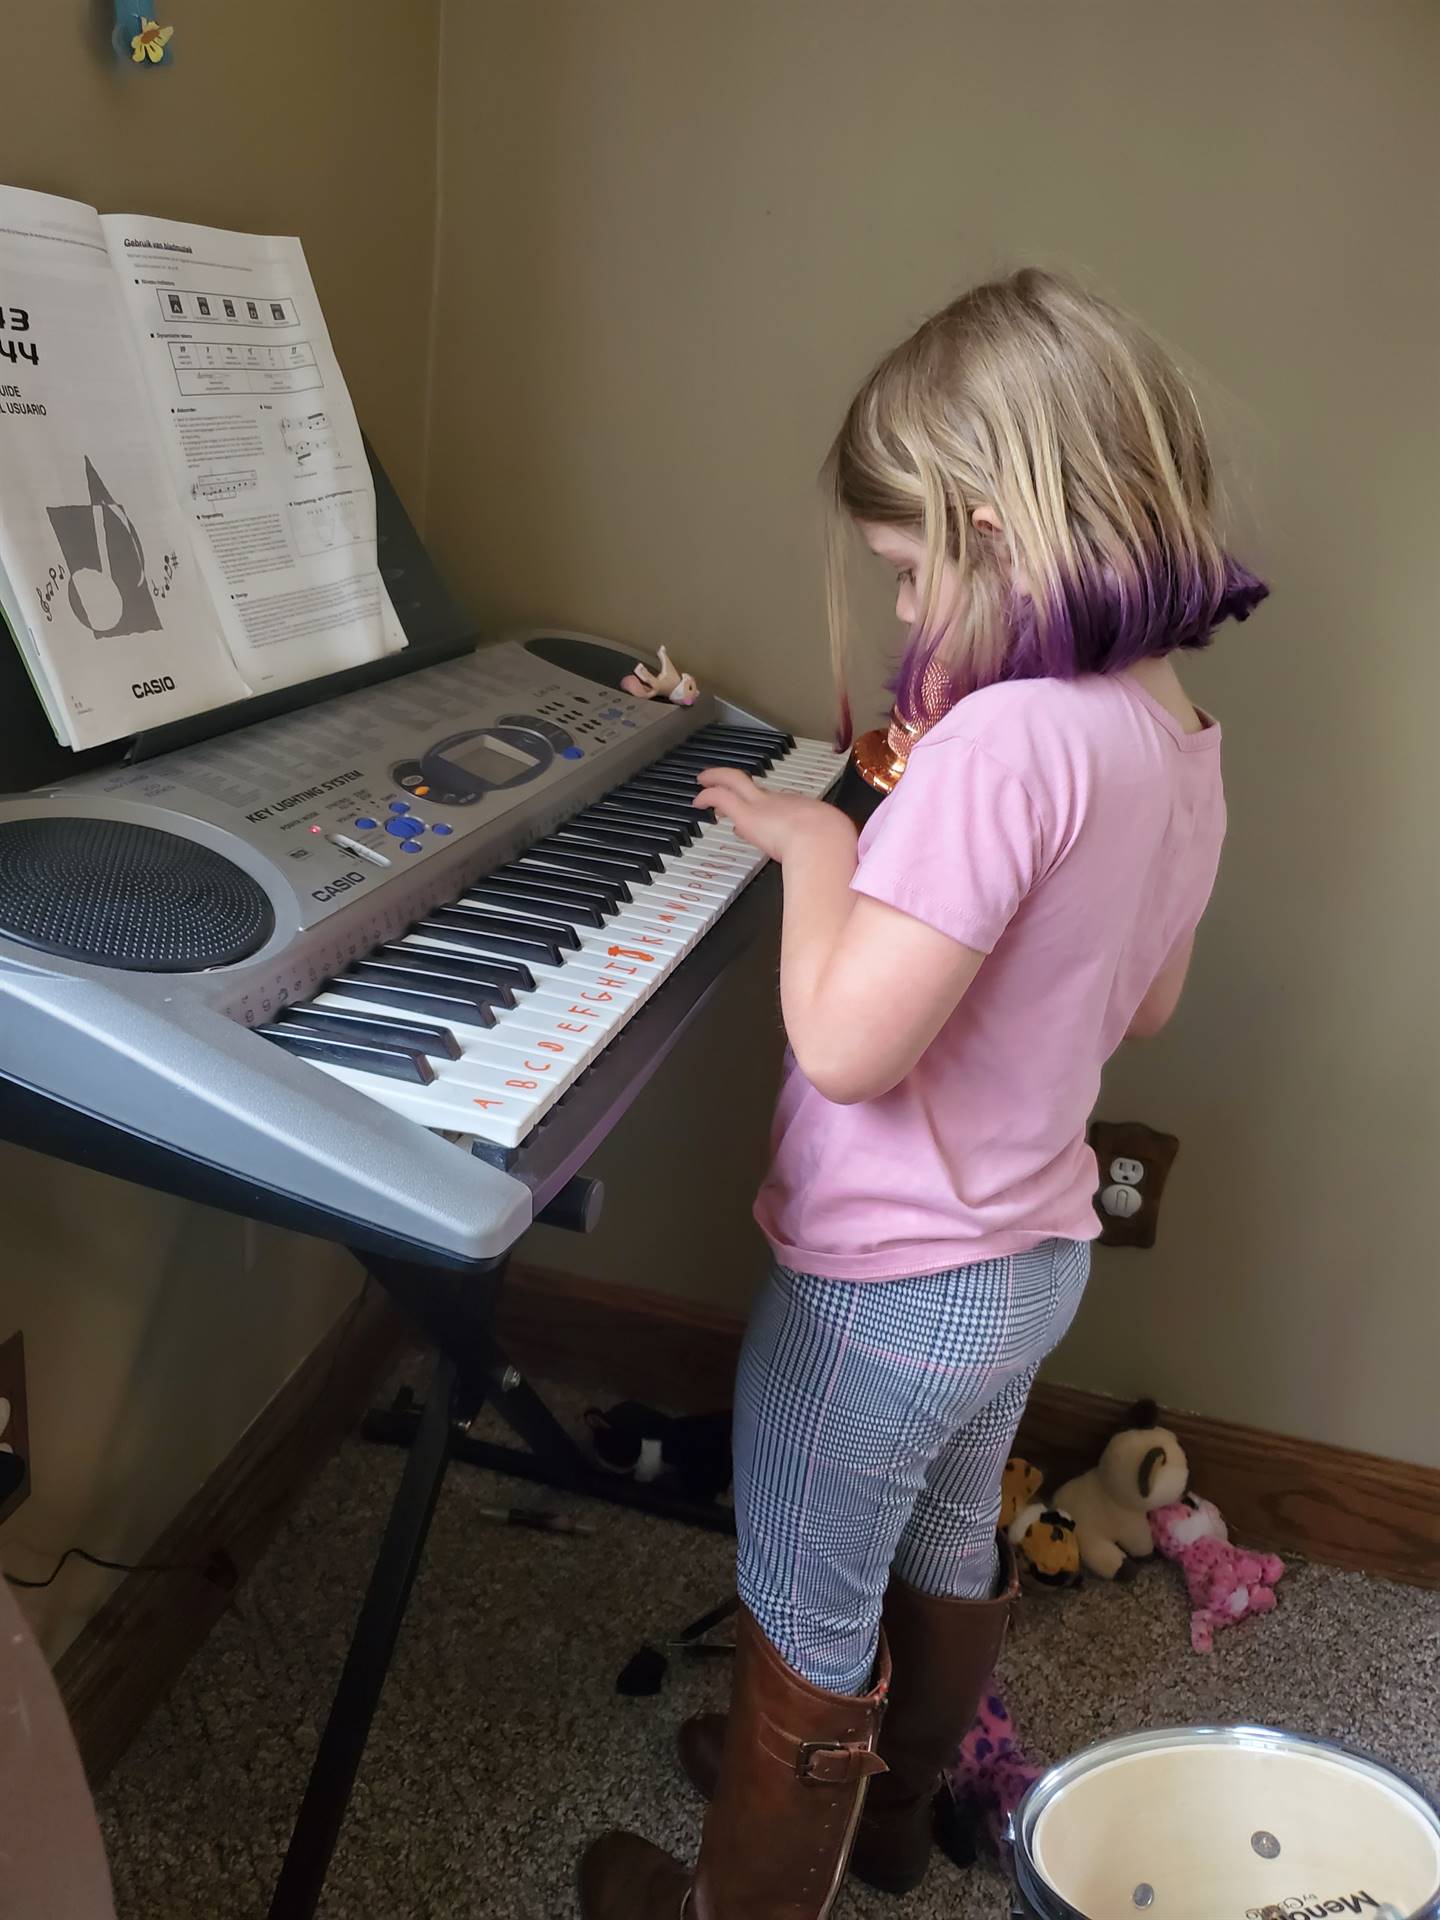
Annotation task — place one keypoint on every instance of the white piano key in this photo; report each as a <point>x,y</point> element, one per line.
<point>503,1113</point>
<point>722,862</point>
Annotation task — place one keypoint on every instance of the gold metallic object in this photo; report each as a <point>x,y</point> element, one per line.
<point>881,754</point>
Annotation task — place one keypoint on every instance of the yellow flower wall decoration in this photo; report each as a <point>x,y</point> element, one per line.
<point>150,42</point>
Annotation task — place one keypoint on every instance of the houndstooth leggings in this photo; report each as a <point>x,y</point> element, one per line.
<point>872,1426</point>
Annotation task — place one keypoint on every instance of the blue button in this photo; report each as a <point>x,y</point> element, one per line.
<point>411,846</point>
<point>367,825</point>
<point>572,753</point>
<point>440,827</point>
<point>400,828</point>
<point>399,806</point>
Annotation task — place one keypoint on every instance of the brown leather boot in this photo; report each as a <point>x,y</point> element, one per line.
<point>788,1793</point>
<point>944,1652</point>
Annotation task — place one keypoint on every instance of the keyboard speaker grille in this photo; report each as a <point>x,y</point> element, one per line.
<point>119,895</point>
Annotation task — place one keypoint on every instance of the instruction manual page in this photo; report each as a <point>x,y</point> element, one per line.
<point>263,444</point>
<point>187,513</point>
<point>99,579</point>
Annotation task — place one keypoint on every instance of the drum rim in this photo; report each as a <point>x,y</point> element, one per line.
<point>1047,1904</point>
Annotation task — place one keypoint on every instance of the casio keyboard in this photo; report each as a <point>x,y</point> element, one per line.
<point>379,969</point>
<point>386,970</point>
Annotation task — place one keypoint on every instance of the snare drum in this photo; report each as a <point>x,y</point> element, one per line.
<point>1224,1823</point>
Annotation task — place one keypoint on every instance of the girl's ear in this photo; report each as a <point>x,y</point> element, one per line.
<point>986,522</point>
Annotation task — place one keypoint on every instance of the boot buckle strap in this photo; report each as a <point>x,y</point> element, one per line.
<point>834,1763</point>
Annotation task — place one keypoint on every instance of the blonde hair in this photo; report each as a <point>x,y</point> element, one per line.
<point>1030,396</point>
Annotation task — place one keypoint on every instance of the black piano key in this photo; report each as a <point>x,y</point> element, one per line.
<point>741,739</point>
<point>496,893</point>
<point>523,922</point>
<point>717,730</point>
<point>569,891</point>
<point>548,859</point>
<point>438,1042</point>
<point>507,977</point>
<point>661,839</point>
<point>488,933</point>
<point>444,1001</point>
<point>611,839</point>
<point>682,824</point>
<point>667,806</point>
<point>625,866</point>
<point>667,768</point>
<point>605,894</point>
<point>700,758</point>
<point>428,979</point>
<point>395,1063</point>
<point>677,785</point>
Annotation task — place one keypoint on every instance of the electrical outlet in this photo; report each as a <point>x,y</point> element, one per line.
<point>1134,1160</point>
<point>15,1425</point>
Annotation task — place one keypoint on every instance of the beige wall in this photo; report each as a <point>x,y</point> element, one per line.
<point>672,239</point>
<point>154,1331</point>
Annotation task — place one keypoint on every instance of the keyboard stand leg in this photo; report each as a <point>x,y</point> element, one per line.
<point>333,1776</point>
<point>457,1313</point>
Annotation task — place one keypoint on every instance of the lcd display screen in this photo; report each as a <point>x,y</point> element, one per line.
<point>487,762</point>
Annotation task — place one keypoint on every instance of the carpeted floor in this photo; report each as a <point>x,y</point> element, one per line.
<point>501,1744</point>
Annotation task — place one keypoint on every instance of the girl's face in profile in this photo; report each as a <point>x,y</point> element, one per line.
<point>903,550</point>
<point>904,554</point>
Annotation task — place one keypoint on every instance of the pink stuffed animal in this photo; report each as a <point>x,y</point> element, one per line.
<point>1226,1584</point>
<point>987,1780</point>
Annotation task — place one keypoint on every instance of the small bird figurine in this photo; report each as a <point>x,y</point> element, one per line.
<point>668,684</point>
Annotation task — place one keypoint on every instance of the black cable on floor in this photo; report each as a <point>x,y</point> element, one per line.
<point>109,1566</point>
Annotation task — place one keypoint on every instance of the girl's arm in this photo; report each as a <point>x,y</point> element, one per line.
<point>1154,1013</point>
<point>864,988</point>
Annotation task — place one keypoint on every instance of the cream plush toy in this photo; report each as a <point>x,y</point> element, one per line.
<point>1142,1467</point>
<point>668,684</point>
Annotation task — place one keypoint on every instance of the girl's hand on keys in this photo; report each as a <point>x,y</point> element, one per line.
<point>781,825</point>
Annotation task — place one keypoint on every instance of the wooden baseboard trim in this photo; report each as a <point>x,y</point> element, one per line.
<point>1328,1504</point>
<point>127,1657</point>
<point>621,1340</point>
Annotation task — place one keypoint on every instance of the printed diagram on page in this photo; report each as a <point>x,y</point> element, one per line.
<point>339,520</point>
<point>105,560</point>
<point>311,441</point>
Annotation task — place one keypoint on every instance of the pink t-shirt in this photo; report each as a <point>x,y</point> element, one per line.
<point>1070,830</point>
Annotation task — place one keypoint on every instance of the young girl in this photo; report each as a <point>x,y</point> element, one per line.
<point>1035,471</point>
